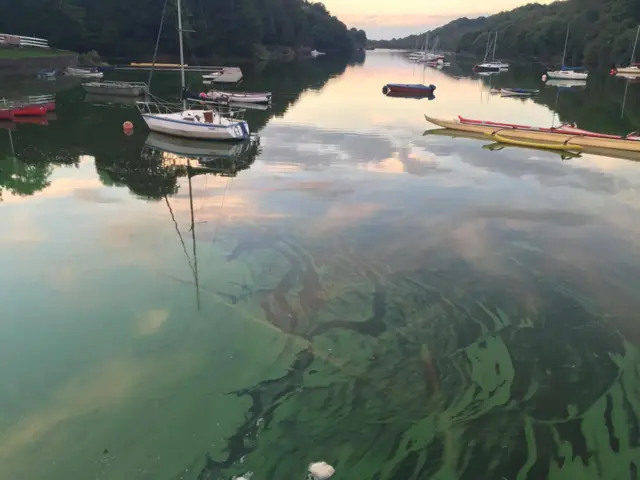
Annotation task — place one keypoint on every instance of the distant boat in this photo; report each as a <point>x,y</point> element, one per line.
<point>316,53</point>
<point>92,73</point>
<point>568,73</point>
<point>486,66</point>
<point>121,89</point>
<point>563,83</point>
<point>47,74</point>
<point>633,70</point>
<point>223,75</point>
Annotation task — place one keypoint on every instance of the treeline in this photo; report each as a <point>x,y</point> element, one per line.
<point>602,31</point>
<point>219,28</point>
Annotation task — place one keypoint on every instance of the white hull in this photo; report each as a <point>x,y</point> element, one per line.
<point>195,148</point>
<point>224,75</point>
<point>568,75</point>
<point>192,124</point>
<point>240,97</point>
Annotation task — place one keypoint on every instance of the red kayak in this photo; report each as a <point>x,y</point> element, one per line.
<point>563,129</point>
<point>29,111</point>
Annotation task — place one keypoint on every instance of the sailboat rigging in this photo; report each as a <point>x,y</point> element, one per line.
<point>633,70</point>
<point>223,123</point>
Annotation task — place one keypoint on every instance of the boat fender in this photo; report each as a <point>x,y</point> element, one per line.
<point>544,77</point>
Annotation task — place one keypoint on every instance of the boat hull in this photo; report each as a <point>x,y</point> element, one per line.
<point>414,89</point>
<point>567,75</point>
<point>486,69</point>
<point>29,111</point>
<point>538,135</point>
<point>200,131</point>
<point>6,114</point>
<point>240,97</point>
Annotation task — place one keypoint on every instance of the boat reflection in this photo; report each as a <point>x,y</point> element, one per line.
<point>101,100</point>
<point>566,83</point>
<point>225,158</point>
<point>605,152</point>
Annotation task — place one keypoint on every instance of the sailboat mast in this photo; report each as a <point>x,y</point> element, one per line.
<point>495,44</point>
<point>635,44</point>
<point>566,42</point>
<point>486,51</point>
<point>181,47</point>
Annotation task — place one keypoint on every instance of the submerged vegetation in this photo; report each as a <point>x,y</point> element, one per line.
<point>602,31</point>
<point>222,29</point>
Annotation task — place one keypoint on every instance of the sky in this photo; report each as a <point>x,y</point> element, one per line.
<point>385,19</point>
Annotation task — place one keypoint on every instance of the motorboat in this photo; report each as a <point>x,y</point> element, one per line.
<point>121,89</point>
<point>316,54</point>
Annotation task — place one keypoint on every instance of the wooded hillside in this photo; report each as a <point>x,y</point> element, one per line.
<point>229,28</point>
<point>602,31</point>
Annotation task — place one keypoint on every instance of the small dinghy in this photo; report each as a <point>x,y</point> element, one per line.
<point>412,88</point>
<point>518,92</point>
<point>237,97</point>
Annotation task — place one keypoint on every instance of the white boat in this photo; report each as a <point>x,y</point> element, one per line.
<point>633,70</point>
<point>120,89</point>
<point>223,75</point>
<point>200,124</point>
<point>83,73</point>
<point>239,97</point>
<point>568,73</point>
<point>316,53</point>
<point>493,66</point>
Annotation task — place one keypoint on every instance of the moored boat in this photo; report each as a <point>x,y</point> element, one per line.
<point>223,75</point>
<point>181,121</point>
<point>29,111</point>
<point>414,88</point>
<point>567,73</point>
<point>573,137</point>
<point>121,89</point>
<point>238,97</point>
<point>6,114</point>
<point>633,69</point>
<point>92,73</point>
<point>518,92</point>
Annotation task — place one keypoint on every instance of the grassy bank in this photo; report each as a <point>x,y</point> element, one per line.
<point>18,53</point>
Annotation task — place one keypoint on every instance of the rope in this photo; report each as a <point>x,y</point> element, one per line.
<point>155,53</point>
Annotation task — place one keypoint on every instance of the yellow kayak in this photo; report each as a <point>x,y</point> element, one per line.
<point>541,145</point>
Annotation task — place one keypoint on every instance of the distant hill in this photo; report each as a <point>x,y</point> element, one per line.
<point>602,31</point>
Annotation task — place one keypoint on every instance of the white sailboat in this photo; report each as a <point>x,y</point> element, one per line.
<point>202,124</point>
<point>486,66</point>
<point>567,73</point>
<point>633,70</point>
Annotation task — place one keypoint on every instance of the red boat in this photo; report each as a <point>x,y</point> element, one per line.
<point>6,114</point>
<point>415,88</point>
<point>29,111</point>
<point>563,129</point>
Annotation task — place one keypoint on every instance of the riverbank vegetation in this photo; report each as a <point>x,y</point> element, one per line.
<point>602,31</point>
<point>218,29</point>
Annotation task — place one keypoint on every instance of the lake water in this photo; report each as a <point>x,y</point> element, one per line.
<point>402,306</point>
